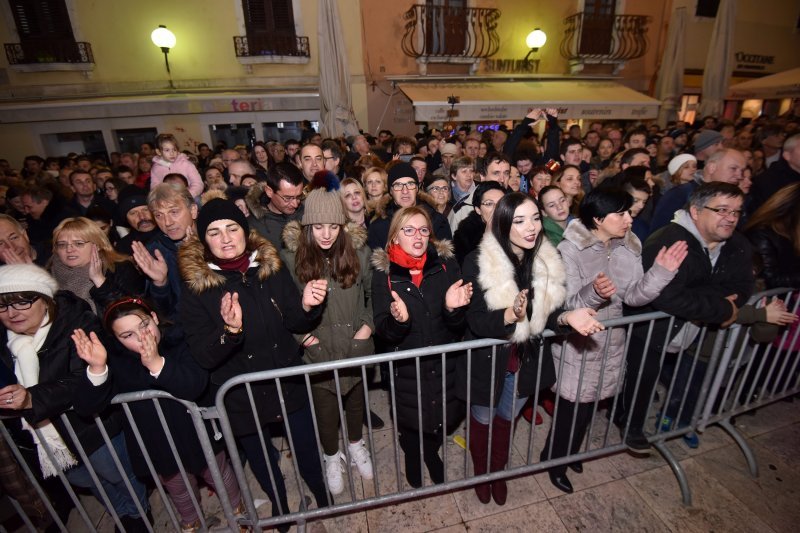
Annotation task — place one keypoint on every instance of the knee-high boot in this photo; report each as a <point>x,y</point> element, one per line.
<point>478,448</point>
<point>501,436</point>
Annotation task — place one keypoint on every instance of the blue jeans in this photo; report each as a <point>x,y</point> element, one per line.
<point>110,478</point>
<point>484,415</point>
<point>681,384</point>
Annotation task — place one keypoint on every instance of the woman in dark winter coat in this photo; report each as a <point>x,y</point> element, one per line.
<point>152,357</point>
<point>322,246</point>
<point>519,279</point>
<point>85,263</point>
<point>774,231</point>
<point>470,230</point>
<point>36,325</point>
<point>418,301</point>
<point>240,309</point>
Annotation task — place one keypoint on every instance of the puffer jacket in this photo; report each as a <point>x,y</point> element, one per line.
<point>344,311</point>
<point>780,263</point>
<point>585,256</point>
<point>272,312</point>
<point>183,166</point>
<point>429,324</point>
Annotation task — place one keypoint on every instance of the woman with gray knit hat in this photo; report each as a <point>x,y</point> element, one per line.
<point>41,373</point>
<point>324,246</point>
<point>240,310</point>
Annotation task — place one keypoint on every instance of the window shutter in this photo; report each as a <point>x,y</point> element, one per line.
<point>41,20</point>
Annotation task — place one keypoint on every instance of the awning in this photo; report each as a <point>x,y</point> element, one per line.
<point>488,101</point>
<point>781,85</point>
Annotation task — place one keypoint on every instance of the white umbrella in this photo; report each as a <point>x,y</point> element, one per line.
<point>781,85</point>
<point>719,61</point>
<point>336,103</point>
<point>669,86</point>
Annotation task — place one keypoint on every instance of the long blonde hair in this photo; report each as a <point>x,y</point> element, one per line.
<point>89,231</point>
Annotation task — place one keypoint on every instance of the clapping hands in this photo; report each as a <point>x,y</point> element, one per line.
<point>457,295</point>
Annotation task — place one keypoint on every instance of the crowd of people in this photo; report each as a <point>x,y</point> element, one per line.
<point>176,271</point>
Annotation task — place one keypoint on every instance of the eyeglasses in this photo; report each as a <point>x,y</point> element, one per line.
<point>411,186</point>
<point>410,231</point>
<point>436,188</point>
<point>290,199</point>
<point>725,212</point>
<point>20,305</point>
<point>488,203</point>
<point>78,245</point>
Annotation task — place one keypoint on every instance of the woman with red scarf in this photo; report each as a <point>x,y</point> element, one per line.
<point>419,300</point>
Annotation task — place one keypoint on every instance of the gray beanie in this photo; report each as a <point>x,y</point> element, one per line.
<point>323,205</point>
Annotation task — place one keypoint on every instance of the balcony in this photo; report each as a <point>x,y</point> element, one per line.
<point>608,40</point>
<point>442,34</point>
<point>33,56</point>
<point>271,48</point>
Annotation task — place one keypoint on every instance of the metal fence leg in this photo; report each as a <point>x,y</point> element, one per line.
<point>677,469</point>
<point>749,456</point>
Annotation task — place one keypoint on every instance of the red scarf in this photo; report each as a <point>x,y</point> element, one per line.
<point>241,263</point>
<point>399,257</point>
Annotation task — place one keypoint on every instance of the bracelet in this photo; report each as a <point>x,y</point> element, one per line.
<point>561,320</point>
<point>305,339</point>
<point>231,331</point>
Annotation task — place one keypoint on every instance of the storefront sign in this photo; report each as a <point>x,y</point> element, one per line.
<point>747,61</point>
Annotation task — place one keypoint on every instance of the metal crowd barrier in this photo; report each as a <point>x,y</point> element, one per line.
<point>728,373</point>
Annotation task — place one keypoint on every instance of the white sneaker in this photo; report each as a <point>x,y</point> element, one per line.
<point>334,467</point>
<point>360,458</point>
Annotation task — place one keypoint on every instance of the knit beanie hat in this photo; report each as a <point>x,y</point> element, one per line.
<point>130,197</point>
<point>705,139</point>
<point>678,161</point>
<point>219,209</point>
<point>323,205</point>
<point>27,278</point>
<point>401,170</point>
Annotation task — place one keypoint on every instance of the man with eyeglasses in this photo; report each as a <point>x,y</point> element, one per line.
<point>725,166</point>
<point>712,283</point>
<point>403,191</point>
<point>332,154</point>
<point>278,201</point>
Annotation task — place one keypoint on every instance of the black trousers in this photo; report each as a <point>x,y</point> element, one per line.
<point>562,427</point>
<point>636,405</point>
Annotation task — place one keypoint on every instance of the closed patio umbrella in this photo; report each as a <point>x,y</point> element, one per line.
<point>669,86</point>
<point>336,103</point>
<point>719,61</point>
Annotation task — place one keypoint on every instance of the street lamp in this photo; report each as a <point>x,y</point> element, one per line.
<point>534,41</point>
<point>164,39</point>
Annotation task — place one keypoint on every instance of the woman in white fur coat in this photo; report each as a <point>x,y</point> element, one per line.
<point>519,283</point>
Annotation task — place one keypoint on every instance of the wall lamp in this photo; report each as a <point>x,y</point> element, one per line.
<point>534,41</point>
<point>164,39</point>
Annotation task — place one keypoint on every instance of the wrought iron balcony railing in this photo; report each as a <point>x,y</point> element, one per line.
<point>604,38</point>
<point>450,32</point>
<point>55,51</point>
<point>270,45</point>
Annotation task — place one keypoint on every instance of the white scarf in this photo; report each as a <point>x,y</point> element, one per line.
<point>24,349</point>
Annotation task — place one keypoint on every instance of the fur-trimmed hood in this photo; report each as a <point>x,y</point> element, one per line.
<point>496,280</point>
<point>443,248</point>
<point>583,238</point>
<point>201,276</point>
<point>385,206</point>
<point>253,201</point>
<point>293,231</point>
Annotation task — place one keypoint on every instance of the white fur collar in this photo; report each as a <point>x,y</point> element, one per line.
<point>496,279</point>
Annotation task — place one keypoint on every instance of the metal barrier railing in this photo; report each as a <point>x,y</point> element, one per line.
<point>721,374</point>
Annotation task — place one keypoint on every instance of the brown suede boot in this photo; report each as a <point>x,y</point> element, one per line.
<point>478,443</point>
<point>501,436</point>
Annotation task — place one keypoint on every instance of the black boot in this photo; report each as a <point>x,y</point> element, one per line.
<point>409,443</point>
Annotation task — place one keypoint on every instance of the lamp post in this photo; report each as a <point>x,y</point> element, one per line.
<point>534,41</point>
<point>164,39</point>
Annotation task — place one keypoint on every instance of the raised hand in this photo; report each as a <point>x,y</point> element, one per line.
<point>10,257</point>
<point>149,355</point>
<point>603,286</point>
<point>458,295</point>
<point>230,310</point>
<point>154,267</point>
<point>552,111</point>
<point>582,320</point>
<point>536,114</point>
<point>91,350</point>
<point>96,267</point>
<point>520,305</point>
<point>398,308</point>
<point>314,293</point>
<point>672,257</point>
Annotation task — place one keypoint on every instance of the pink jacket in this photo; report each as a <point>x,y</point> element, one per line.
<point>181,165</point>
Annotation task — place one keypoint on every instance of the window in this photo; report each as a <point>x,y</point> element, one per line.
<point>269,25</point>
<point>707,8</point>
<point>46,36</point>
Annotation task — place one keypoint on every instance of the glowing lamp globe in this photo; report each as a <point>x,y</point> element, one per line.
<point>536,39</point>
<point>163,38</point>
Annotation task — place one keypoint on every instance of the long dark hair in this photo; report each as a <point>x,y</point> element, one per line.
<point>780,214</point>
<point>340,261</point>
<point>502,219</point>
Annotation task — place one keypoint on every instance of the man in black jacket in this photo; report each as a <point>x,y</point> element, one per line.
<point>715,279</point>
<point>781,173</point>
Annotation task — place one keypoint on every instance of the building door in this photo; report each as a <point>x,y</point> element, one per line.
<point>131,140</point>
<point>445,27</point>
<point>233,134</point>
<point>597,27</point>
